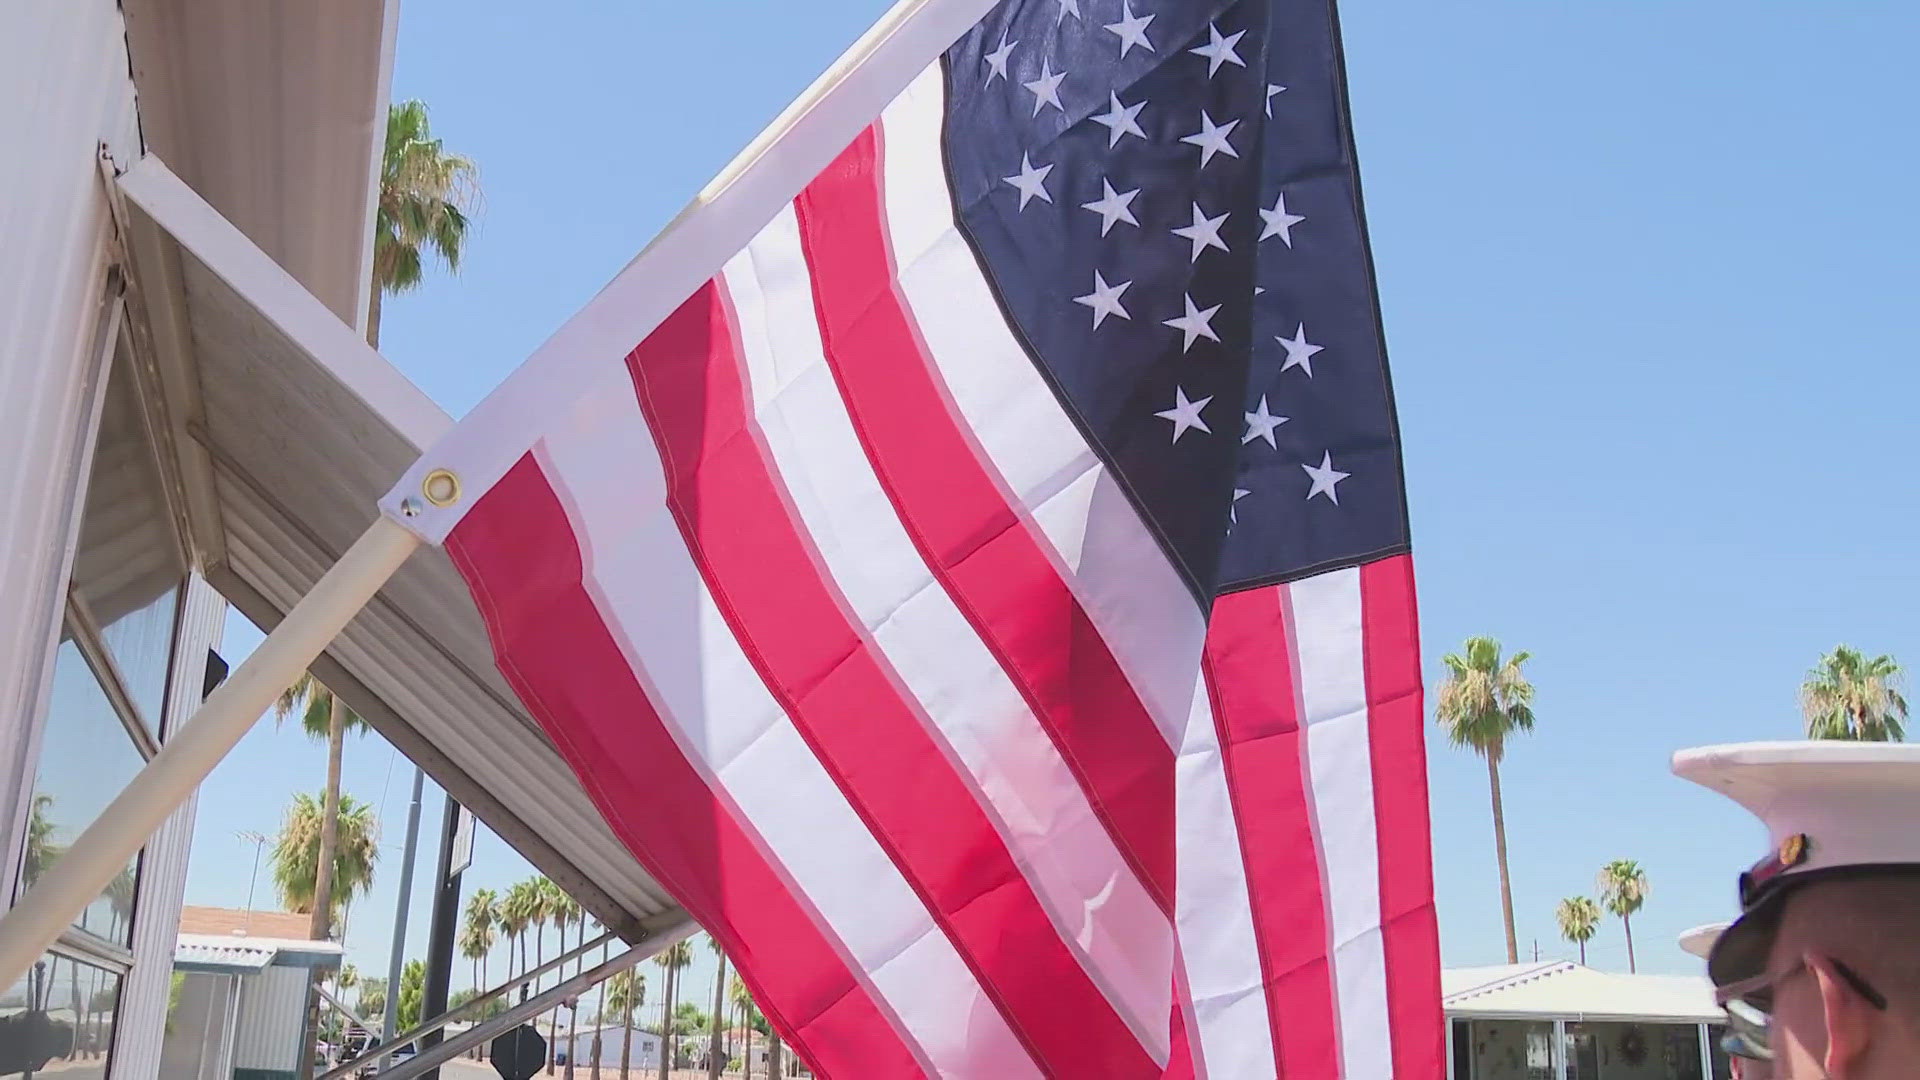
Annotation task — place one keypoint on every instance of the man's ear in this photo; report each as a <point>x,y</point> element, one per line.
<point>1849,1019</point>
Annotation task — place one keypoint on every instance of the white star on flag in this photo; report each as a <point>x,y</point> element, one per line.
<point>1219,50</point>
<point>1204,232</point>
<point>1233,508</point>
<point>1104,299</point>
<point>1067,7</point>
<point>1132,30</point>
<point>1212,138</point>
<point>1195,324</point>
<point>997,59</point>
<point>1299,350</point>
<point>1046,88</point>
<point>1279,222</point>
<point>1260,424</point>
<point>1324,478</point>
<point>1119,120</point>
<point>1112,206</point>
<point>1185,414</point>
<point>1031,182</point>
<point>1272,89</point>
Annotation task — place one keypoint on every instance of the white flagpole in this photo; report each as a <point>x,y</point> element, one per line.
<point>105,848</point>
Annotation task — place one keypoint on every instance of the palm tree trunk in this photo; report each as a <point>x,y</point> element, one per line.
<point>1500,850</point>
<point>600,1016</point>
<point>573,1014</point>
<point>321,926</point>
<point>626,1041</point>
<point>553,1018</point>
<point>1627,922</point>
<point>713,1040</point>
<point>666,1026</point>
<point>1583,954</point>
<point>773,1052</point>
<point>373,316</point>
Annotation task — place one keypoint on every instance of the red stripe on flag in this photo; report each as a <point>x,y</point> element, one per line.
<point>1251,676</point>
<point>844,698</point>
<point>992,562</point>
<point>1410,930</point>
<point>518,554</point>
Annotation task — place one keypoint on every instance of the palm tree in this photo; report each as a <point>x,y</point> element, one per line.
<point>425,196</point>
<point>1623,889</point>
<point>413,986</point>
<point>326,718</point>
<point>1579,917</point>
<point>626,992</point>
<point>477,939</point>
<point>714,1060</point>
<point>517,914</point>
<point>372,999</point>
<point>296,853</point>
<point>562,910</point>
<point>600,1012</point>
<point>1848,696</point>
<point>750,1019</point>
<point>41,829</point>
<point>1482,703</point>
<point>672,958</point>
<point>119,902</point>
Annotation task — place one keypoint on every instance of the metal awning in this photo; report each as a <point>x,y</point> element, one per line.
<point>1560,989</point>
<point>286,427</point>
<point>211,954</point>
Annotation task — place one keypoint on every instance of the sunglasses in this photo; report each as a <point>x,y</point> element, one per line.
<point>1749,1008</point>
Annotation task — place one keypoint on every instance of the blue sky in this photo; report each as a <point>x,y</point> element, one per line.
<point>1646,270</point>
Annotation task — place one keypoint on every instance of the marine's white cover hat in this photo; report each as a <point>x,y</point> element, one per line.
<point>1830,808</point>
<point>1699,940</point>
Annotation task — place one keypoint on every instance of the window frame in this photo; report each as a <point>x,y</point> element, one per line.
<point>116,349</point>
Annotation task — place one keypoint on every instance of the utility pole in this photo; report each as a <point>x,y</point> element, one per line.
<point>446,914</point>
<point>396,965</point>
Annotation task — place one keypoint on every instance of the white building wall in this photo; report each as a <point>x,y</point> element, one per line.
<point>273,1008</point>
<point>64,91</point>
<point>163,870</point>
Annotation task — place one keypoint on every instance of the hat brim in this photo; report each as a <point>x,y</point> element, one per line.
<point>1742,951</point>
<point>1746,945</point>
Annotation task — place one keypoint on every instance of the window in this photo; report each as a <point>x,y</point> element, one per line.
<point>112,663</point>
<point>60,1015</point>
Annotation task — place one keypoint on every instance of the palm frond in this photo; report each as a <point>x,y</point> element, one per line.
<point>1483,701</point>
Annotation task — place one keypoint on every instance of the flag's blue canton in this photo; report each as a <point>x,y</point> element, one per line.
<point>1230,373</point>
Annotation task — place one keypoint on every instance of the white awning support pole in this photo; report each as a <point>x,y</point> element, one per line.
<point>124,827</point>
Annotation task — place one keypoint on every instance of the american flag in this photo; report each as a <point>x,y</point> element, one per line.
<point>984,601</point>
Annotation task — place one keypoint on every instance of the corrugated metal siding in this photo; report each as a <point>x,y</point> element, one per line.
<point>163,870</point>
<point>64,90</point>
<point>273,1006</point>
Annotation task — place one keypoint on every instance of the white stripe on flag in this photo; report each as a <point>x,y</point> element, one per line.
<point>1092,896</point>
<point>1112,563</point>
<point>603,463</point>
<point>1330,644</point>
<point>1232,1036</point>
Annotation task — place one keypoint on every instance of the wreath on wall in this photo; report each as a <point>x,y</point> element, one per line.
<point>1633,1046</point>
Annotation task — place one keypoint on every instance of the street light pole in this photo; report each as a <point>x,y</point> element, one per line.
<point>396,964</point>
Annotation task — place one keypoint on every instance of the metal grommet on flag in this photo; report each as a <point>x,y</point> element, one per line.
<point>410,507</point>
<point>441,487</point>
